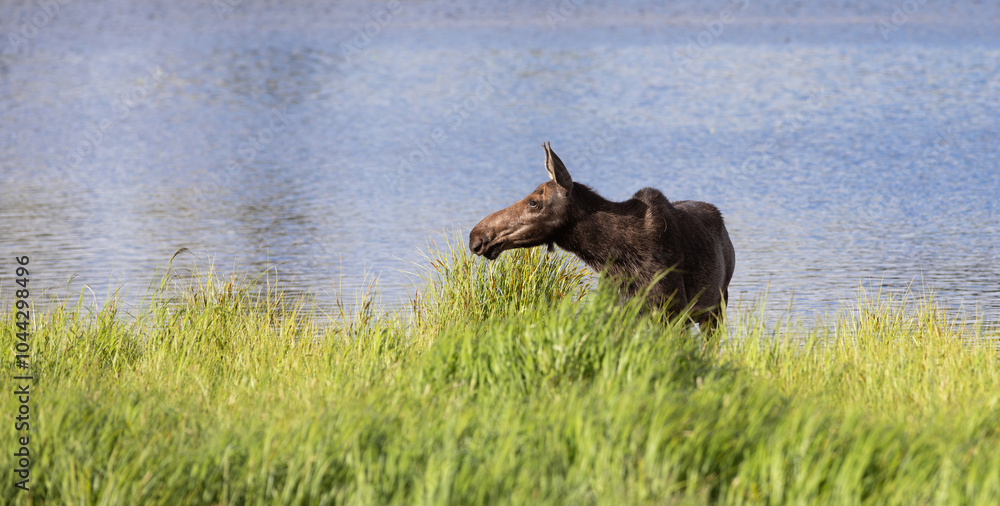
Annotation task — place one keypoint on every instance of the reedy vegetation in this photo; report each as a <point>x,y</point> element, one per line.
<point>511,382</point>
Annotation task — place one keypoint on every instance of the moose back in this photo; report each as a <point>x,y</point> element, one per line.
<point>680,250</point>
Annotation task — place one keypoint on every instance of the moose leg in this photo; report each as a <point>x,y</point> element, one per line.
<point>668,293</point>
<point>711,321</point>
<point>708,323</point>
<point>676,308</point>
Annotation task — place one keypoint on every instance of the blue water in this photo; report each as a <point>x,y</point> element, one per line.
<point>847,144</point>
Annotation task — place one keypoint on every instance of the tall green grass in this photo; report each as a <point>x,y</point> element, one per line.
<point>506,382</point>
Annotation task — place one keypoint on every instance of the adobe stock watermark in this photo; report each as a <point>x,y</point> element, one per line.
<point>877,208</point>
<point>457,114</point>
<point>900,15</point>
<point>19,40</point>
<point>697,44</point>
<point>354,46</point>
<point>562,12</point>
<point>939,146</point>
<point>247,150</point>
<point>598,144</point>
<point>223,8</point>
<point>94,134</point>
<point>790,123</point>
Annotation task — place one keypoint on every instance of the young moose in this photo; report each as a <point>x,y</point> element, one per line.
<point>683,246</point>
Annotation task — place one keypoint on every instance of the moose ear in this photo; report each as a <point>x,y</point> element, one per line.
<point>557,171</point>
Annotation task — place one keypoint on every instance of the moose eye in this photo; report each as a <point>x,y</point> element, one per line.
<point>533,203</point>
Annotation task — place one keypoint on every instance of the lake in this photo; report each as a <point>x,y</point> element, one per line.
<point>848,144</point>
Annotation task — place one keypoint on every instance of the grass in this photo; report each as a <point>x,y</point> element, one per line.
<point>507,382</point>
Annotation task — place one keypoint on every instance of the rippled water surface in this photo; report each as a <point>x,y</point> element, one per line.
<point>847,145</point>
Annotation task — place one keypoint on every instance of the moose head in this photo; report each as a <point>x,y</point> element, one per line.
<point>531,221</point>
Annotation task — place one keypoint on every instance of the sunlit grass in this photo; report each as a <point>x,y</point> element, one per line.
<point>514,381</point>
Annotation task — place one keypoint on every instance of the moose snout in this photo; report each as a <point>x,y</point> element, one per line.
<point>478,242</point>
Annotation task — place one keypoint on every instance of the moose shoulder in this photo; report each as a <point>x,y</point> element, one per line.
<point>683,247</point>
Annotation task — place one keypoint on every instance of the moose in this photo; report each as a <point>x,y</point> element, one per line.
<point>677,253</point>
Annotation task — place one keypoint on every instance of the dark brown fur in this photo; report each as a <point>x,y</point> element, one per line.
<point>683,246</point>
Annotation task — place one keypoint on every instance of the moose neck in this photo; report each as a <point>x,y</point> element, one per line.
<point>602,232</point>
